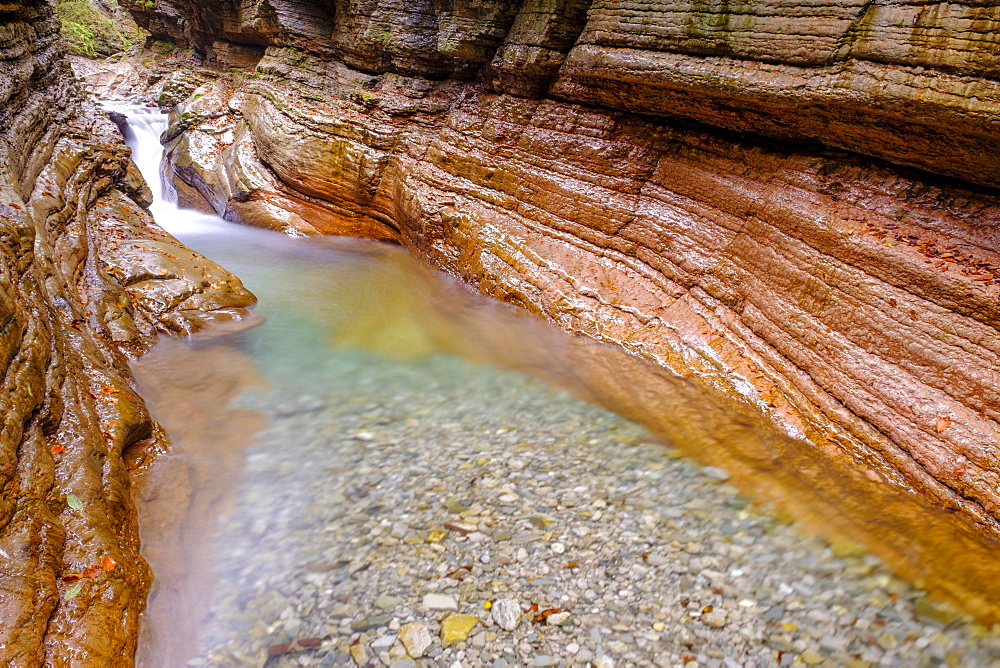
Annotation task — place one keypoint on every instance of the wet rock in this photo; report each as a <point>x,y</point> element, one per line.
<point>75,306</point>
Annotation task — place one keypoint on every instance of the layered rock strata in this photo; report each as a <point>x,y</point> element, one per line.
<point>87,279</point>
<point>549,154</point>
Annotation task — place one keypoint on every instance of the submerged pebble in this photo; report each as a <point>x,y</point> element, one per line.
<point>381,502</point>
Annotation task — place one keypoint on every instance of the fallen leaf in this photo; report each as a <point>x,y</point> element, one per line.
<point>57,449</point>
<point>74,501</point>
<point>108,564</point>
<point>572,564</point>
<point>91,571</point>
<point>72,592</point>
<point>942,423</point>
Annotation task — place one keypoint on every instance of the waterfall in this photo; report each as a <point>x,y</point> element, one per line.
<point>142,134</point>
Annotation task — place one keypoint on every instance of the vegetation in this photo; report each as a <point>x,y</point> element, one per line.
<point>163,47</point>
<point>95,28</point>
<point>382,37</point>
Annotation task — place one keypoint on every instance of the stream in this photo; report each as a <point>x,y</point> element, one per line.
<point>390,460</point>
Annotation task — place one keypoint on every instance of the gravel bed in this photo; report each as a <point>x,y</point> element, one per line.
<point>435,513</point>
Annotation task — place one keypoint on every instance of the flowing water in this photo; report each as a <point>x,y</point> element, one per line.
<point>316,458</point>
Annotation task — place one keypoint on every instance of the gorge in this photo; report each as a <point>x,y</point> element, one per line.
<point>791,205</point>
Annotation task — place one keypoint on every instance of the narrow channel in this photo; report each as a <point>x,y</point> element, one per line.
<point>389,451</point>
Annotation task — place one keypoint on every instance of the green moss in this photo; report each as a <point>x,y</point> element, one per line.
<point>91,31</point>
<point>163,48</point>
<point>382,36</point>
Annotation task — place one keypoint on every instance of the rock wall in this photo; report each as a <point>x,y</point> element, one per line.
<point>727,189</point>
<point>87,279</point>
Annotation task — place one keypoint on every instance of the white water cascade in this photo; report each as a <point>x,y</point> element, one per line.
<point>145,127</point>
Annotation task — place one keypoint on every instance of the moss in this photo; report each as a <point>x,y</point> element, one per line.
<point>163,48</point>
<point>382,36</point>
<point>93,30</point>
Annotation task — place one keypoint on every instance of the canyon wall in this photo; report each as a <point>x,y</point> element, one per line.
<point>726,189</point>
<point>87,280</point>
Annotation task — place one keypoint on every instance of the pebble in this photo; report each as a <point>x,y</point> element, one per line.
<point>372,622</point>
<point>361,655</point>
<point>811,657</point>
<point>506,614</point>
<point>403,663</point>
<point>387,602</point>
<point>439,602</point>
<point>415,638</point>
<point>456,628</point>
<point>715,473</point>
<point>557,618</point>
<point>716,619</point>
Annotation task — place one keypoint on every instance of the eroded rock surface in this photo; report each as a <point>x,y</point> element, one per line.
<point>87,279</point>
<point>546,153</point>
